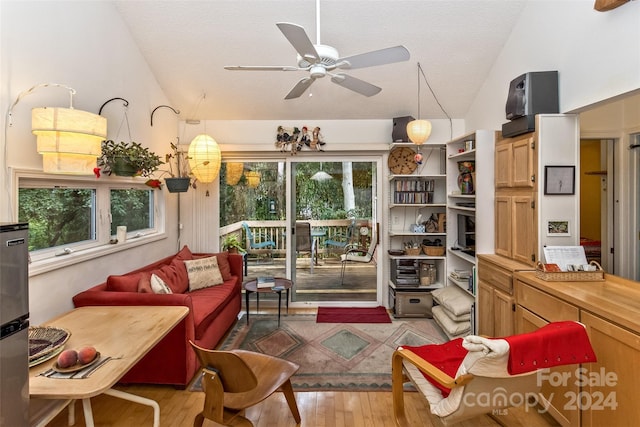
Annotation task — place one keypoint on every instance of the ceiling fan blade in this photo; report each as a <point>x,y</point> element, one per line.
<point>299,39</point>
<point>376,57</point>
<point>356,85</point>
<point>300,88</point>
<point>261,68</point>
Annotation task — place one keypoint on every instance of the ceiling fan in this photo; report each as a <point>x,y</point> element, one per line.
<point>321,60</point>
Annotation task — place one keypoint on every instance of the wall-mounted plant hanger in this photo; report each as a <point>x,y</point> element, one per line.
<point>126,104</point>
<point>163,106</point>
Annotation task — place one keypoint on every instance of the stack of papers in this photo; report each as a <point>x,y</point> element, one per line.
<point>266,282</point>
<point>566,257</point>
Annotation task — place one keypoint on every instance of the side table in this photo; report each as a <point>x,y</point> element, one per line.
<point>252,287</point>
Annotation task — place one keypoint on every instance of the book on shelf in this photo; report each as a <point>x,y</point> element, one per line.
<point>266,282</point>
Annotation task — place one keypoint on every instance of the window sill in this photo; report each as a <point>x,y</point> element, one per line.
<point>56,262</point>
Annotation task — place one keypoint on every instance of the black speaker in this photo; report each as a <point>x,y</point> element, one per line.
<point>399,133</point>
<point>532,93</point>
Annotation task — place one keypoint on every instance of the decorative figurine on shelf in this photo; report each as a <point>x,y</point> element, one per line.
<point>418,158</point>
<point>294,139</point>
<point>316,141</point>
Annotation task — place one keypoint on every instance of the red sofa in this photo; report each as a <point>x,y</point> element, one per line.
<point>212,312</point>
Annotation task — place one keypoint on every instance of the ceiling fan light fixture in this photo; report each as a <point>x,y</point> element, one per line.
<point>317,71</point>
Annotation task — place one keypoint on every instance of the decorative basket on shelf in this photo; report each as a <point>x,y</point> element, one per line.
<point>412,251</point>
<point>433,250</point>
<point>571,276</point>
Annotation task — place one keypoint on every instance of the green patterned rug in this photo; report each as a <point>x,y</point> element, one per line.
<point>338,357</point>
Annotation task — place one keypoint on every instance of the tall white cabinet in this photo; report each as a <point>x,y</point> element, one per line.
<point>470,212</point>
<point>414,197</point>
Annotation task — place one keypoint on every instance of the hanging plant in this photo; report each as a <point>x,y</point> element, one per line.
<point>127,159</point>
<point>180,175</point>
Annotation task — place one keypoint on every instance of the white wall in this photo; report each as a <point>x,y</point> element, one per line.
<point>597,56</point>
<point>86,46</point>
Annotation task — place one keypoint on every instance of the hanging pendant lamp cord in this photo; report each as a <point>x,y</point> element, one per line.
<point>421,71</point>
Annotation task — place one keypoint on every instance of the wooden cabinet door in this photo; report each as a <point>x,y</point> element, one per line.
<point>485,305</point>
<point>503,315</point>
<point>556,394</point>
<point>503,225</point>
<point>523,162</point>
<point>613,392</point>
<point>524,229</point>
<point>503,159</point>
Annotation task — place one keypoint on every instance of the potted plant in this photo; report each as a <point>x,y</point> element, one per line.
<point>127,159</point>
<point>180,179</point>
<point>232,244</point>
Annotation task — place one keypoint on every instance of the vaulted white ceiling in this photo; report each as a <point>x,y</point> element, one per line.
<point>187,44</point>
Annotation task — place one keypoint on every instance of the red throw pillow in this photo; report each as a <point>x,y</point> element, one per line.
<point>125,283</point>
<point>184,254</point>
<point>144,284</point>
<point>175,276</point>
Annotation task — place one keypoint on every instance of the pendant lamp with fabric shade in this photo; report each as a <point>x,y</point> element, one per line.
<point>204,158</point>
<point>234,172</point>
<point>68,139</point>
<point>419,130</point>
<point>253,178</point>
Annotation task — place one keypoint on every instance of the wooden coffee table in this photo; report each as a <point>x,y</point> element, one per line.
<point>124,333</point>
<point>252,287</point>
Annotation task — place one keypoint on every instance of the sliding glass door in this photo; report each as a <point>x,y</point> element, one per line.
<point>299,218</point>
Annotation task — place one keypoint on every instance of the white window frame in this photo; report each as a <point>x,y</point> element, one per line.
<point>44,260</point>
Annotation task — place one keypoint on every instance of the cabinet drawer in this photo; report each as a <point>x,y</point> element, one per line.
<point>544,305</point>
<point>495,276</point>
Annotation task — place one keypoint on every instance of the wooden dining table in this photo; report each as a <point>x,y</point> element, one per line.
<point>123,333</point>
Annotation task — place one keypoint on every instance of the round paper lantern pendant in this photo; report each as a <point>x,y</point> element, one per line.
<point>204,158</point>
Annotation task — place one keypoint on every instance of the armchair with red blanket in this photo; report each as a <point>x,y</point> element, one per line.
<point>471,376</point>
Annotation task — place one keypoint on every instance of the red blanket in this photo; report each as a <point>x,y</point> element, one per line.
<point>558,343</point>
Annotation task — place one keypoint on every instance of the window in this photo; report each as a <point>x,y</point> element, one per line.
<point>68,214</point>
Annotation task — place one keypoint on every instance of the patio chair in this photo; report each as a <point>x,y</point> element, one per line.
<point>341,240</point>
<point>354,254</point>
<point>304,243</point>
<point>262,247</point>
<point>238,379</point>
<point>473,376</point>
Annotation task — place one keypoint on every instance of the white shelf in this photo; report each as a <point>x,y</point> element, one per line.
<point>409,234</point>
<point>461,255</point>
<point>432,176</point>
<point>418,205</point>
<point>442,257</point>
<point>462,208</point>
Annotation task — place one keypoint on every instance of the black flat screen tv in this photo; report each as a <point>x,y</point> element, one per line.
<point>467,234</point>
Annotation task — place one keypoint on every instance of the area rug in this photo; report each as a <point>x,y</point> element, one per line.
<point>353,315</point>
<point>332,357</point>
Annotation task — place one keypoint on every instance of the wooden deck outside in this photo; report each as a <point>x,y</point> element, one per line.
<point>323,284</point>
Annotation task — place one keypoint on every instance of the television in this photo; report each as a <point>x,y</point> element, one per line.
<point>467,234</point>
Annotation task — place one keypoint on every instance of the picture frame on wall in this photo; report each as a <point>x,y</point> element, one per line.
<point>558,228</point>
<point>559,180</point>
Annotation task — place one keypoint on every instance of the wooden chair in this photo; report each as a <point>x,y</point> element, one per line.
<point>235,380</point>
<point>473,376</point>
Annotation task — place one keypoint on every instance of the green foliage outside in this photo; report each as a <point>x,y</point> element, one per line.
<point>131,208</point>
<point>62,216</point>
<point>56,216</point>
<point>318,200</point>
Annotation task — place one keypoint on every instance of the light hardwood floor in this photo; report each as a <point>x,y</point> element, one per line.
<point>317,409</point>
